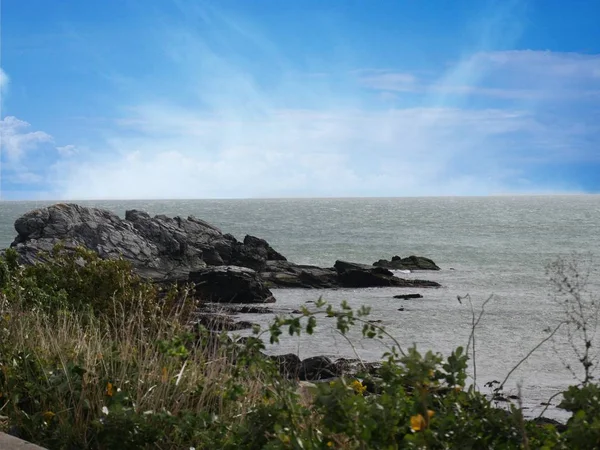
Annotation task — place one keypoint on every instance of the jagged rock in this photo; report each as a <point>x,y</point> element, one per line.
<point>261,246</point>
<point>361,275</point>
<point>408,296</point>
<point>230,284</point>
<point>158,247</point>
<point>410,263</point>
<point>318,368</point>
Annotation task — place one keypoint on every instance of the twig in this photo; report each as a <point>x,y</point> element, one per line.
<point>548,403</point>
<point>528,355</point>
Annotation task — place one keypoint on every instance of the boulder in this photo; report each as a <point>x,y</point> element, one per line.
<point>318,368</point>
<point>289,365</point>
<point>230,284</point>
<point>410,263</point>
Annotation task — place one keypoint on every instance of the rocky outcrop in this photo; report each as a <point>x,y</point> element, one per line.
<point>158,247</point>
<point>230,284</point>
<point>409,263</point>
<point>178,249</point>
<point>283,274</point>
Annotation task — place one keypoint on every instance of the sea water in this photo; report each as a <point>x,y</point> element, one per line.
<point>486,246</point>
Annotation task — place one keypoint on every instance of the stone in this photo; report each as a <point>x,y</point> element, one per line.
<point>408,296</point>
<point>410,263</point>
<point>318,368</point>
<point>355,275</point>
<point>289,365</point>
<point>230,284</point>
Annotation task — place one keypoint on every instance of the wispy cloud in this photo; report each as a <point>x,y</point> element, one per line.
<point>169,152</point>
<point>518,74</point>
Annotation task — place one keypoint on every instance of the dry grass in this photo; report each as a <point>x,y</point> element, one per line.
<point>119,355</point>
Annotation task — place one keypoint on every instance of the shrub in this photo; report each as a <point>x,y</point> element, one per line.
<point>86,362</point>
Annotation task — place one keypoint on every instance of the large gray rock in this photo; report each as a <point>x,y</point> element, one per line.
<point>158,247</point>
<point>230,284</point>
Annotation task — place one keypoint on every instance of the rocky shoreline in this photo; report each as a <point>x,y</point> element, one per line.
<point>166,249</point>
<point>221,269</point>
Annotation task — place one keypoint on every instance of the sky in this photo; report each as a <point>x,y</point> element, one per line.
<point>168,99</point>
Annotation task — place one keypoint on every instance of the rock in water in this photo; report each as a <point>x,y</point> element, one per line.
<point>411,263</point>
<point>408,296</point>
<point>230,284</point>
<point>355,275</point>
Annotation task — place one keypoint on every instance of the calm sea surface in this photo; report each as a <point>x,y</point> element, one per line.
<point>496,246</point>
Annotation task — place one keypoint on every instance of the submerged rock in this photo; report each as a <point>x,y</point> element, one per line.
<point>410,263</point>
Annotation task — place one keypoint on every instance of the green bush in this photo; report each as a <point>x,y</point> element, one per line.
<point>85,362</point>
<point>73,279</point>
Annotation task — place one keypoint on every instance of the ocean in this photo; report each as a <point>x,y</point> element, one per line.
<point>486,246</point>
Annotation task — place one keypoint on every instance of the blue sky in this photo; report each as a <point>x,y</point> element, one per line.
<point>298,98</point>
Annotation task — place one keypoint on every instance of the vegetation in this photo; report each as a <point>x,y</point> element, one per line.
<point>93,357</point>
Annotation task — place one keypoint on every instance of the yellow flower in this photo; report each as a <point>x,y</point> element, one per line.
<point>48,415</point>
<point>417,423</point>
<point>109,389</point>
<point>358,387</point>
<point>329,444</point>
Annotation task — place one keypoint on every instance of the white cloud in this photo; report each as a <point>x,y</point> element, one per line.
<point>17,140</point>
<point>168,152</point>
